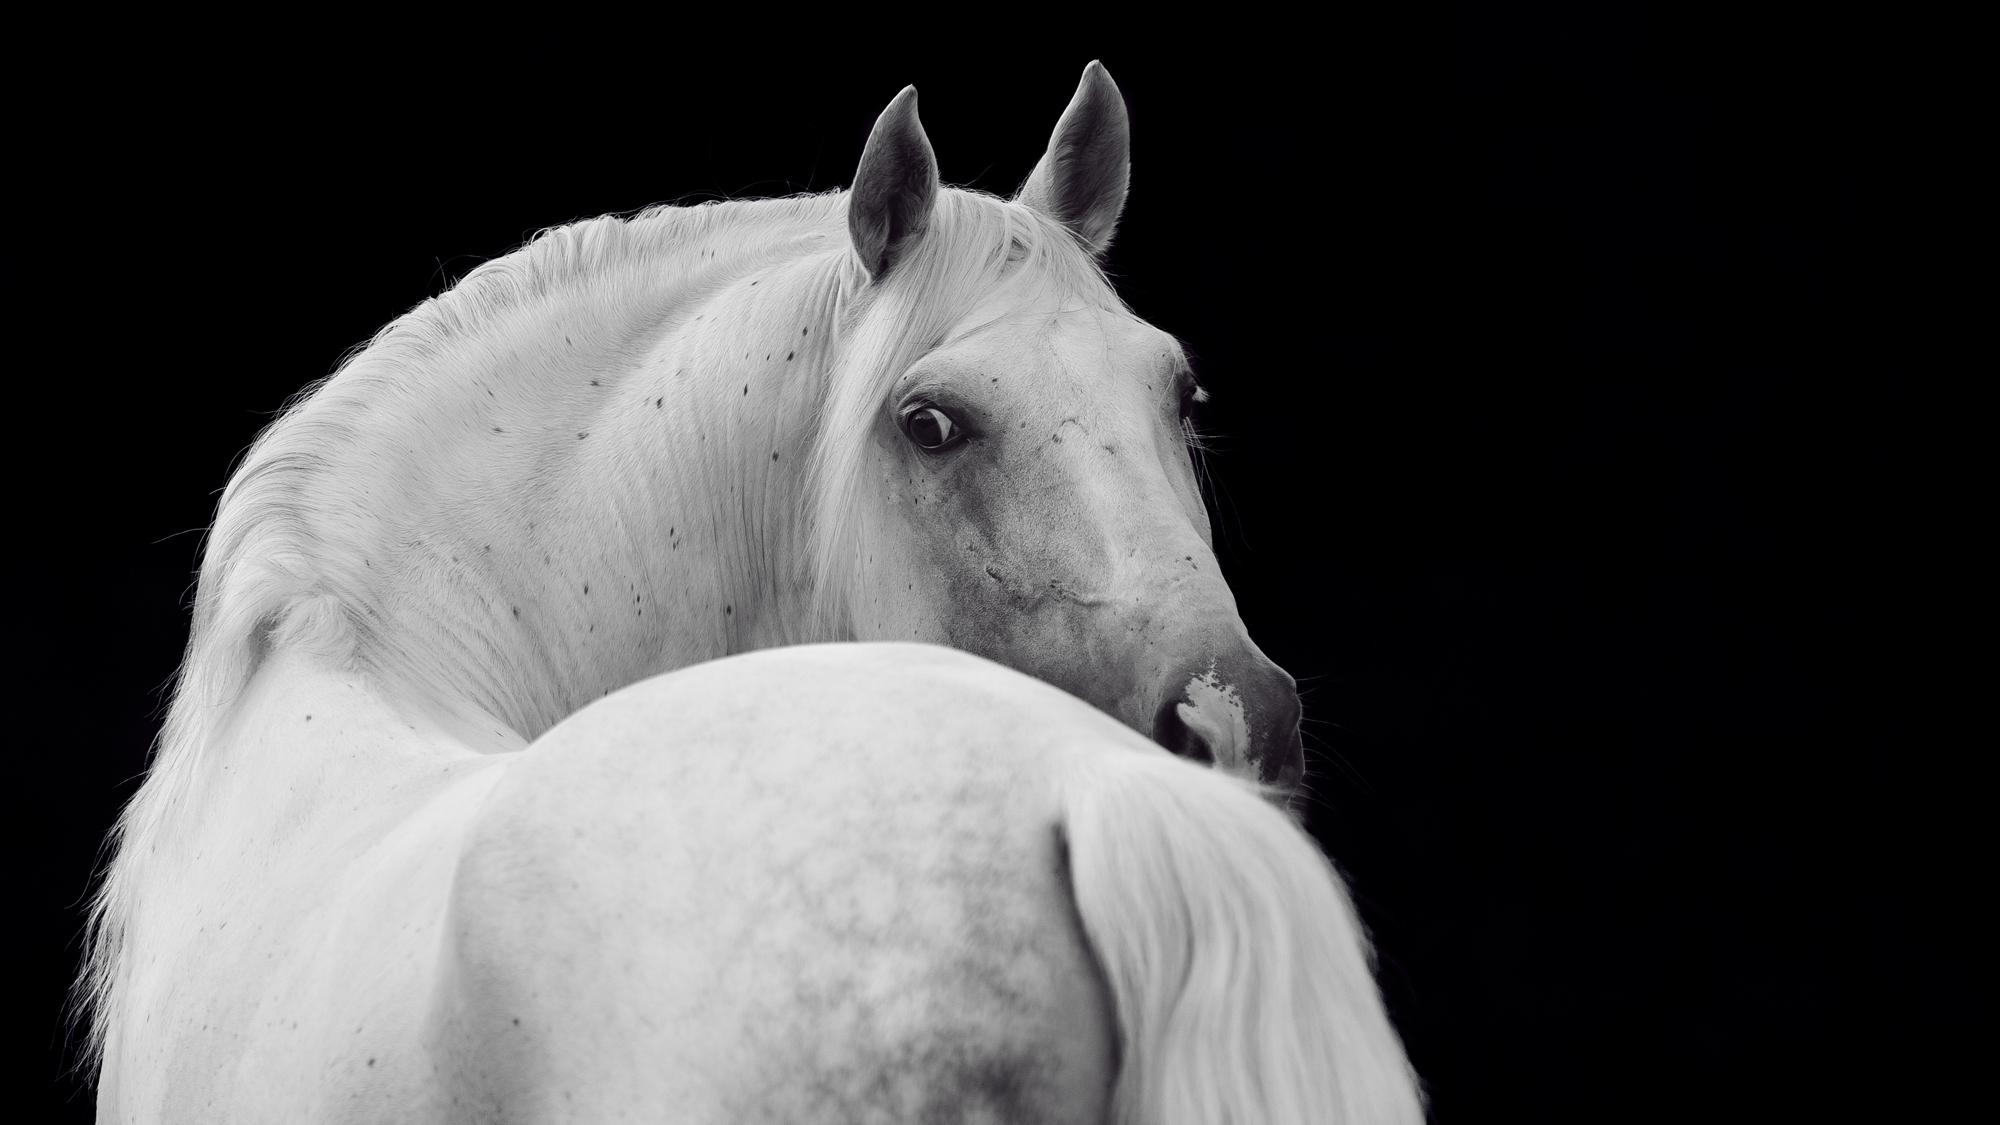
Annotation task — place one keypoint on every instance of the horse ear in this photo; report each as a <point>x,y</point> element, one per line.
<point>894,188</point>
<point>1081,179</point>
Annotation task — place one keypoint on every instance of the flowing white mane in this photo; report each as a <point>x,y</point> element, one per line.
<point>321,539</point>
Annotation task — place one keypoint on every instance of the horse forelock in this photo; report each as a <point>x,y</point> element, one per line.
<point>977,249</point>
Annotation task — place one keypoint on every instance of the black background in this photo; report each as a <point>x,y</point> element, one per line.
<point>1571,451</point>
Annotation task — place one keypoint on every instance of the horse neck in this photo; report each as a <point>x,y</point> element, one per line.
<point>603,485</point>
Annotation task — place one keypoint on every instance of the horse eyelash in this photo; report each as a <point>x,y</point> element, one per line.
<point>1196,438</point>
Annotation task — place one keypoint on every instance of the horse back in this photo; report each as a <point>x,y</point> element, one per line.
<point>820,883</point>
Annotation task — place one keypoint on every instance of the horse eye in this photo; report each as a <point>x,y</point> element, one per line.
<point>930,427</point>
<point>1192,398</point>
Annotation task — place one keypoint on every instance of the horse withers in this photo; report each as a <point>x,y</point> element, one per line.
<point>899,413</point>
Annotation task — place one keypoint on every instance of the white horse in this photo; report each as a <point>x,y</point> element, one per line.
<point>384,868</point>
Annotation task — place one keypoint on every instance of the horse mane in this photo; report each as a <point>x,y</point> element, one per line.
<point>271,578</point>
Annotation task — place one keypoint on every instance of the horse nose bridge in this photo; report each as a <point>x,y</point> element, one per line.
<point>1159,571</point>
<point>1148,538</point>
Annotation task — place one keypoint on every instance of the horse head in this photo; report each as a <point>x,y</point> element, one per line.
<point>1029,440</point>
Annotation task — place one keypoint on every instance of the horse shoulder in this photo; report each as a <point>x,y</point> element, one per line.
<point>285,937</point>
<point>808,884</point>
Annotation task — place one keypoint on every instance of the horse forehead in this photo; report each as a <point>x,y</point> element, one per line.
<point>1114,340</point>
<point>1086,344</point>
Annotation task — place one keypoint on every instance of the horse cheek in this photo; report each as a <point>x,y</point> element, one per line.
<point>1006,579</point>
<point>964,583</point>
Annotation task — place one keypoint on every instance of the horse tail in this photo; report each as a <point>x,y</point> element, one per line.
<point>1237,968</point>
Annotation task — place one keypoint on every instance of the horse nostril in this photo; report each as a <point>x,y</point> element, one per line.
<point>1174,734</point>
<point>1240,714</point>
